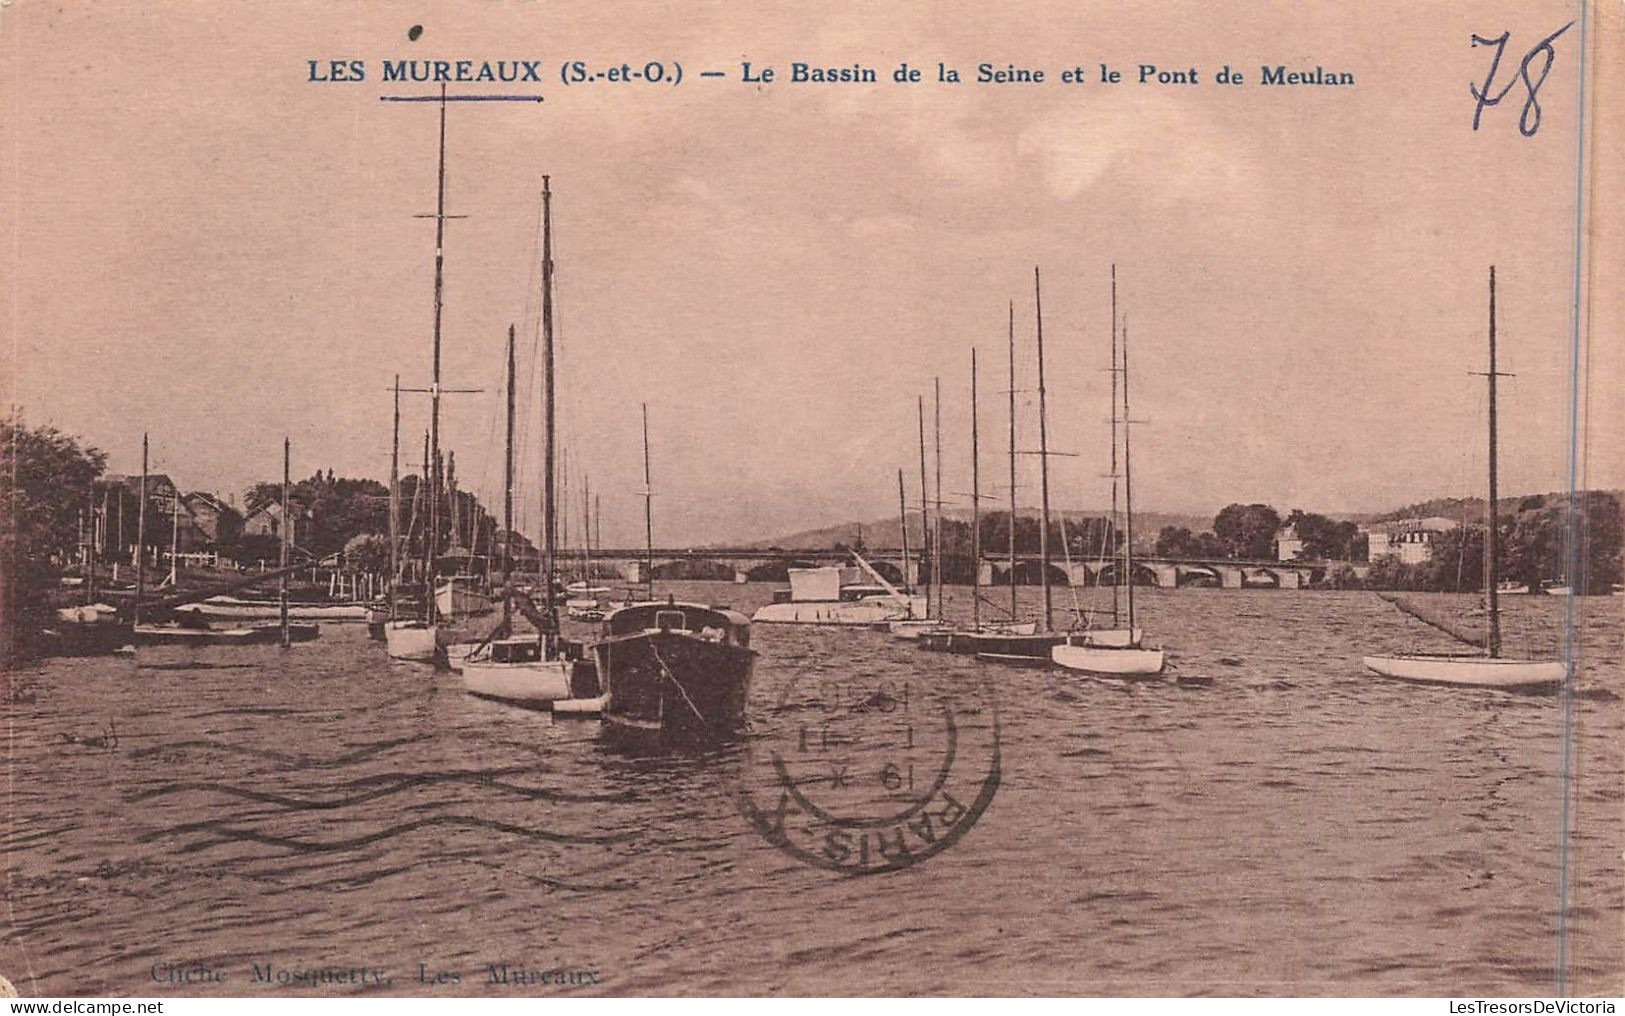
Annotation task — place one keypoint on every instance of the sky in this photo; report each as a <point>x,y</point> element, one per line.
<point>207,246</point>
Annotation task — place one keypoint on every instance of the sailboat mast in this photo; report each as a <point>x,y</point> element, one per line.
<point>175,539</point>
<point>1012,526</point>
<point>141,536</point>
<point>902,524</point>
<point>648,508</point>
<point>395,500</point>
<point>549,503</point>
<point>925,512</point>
<point>586,529</point>
<point>1492,560</point>
<point>975,503</point>
<point>1128,489</point>
<point>1043,449</point>
<point>432,545</point>
<point>936,524</point>
<point>507,498</point>
<point>287,531</point>
<point>1112,528</point>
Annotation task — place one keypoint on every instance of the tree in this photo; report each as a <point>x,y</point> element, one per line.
<point>46,482</point>
<point>1248,531</point>
<point>1323,539</point>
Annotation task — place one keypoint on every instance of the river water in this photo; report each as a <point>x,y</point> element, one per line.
<point>1270,819</point>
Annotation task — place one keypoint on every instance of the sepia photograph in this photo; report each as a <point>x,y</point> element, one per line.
<point>539,499</point>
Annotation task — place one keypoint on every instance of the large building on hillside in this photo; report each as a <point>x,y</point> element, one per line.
<point>1410,540</point>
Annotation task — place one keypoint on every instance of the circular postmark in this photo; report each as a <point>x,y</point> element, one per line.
<point>864,776</point>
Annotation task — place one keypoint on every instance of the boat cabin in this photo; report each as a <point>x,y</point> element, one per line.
<point>716,624</point>
<point>516,651</point>
<point>827,585</point>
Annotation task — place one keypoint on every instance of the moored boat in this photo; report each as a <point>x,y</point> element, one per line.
<point>524,671</point>
<point>231,607</point>
<point>1489,670</point>
<point>188,635</point>
<point>1121,660</point>
<point>410,640</point>
<point>1470,669</point>
<point>832,596</point>
<point>676,669</point>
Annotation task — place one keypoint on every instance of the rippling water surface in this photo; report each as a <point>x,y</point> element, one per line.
<point>1270,819</point>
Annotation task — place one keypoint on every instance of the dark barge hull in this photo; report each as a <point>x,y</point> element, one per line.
<point>988,644</point>
<point>675,685</point>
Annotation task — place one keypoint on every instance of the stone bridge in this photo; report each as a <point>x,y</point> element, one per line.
<point>769,565</point>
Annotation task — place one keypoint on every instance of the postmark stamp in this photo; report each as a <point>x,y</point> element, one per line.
<point>864,777</point>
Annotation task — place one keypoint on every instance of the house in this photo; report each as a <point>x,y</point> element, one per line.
<point>266,520</point>
<point>1410,540</point>
<point>164,504</point>
<point>213,517</point>
<point>1288,544</point>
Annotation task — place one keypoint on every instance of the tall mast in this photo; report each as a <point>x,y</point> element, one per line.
<point>141,536</point>
<point>507,500</point>
<point>936,527</point>
<point>174,540</point>
<point>1111,529</point>
<point>586,530</point>
<point>925,512</point>
<point>395,500</point>
<point>1492,560</point>
<point>902,523</point>
<point>549,503</point>
<point>432,545</point>
<point>975,504</point>
<point>1012,525</point>
<point>648,508</point>
<point>287,531</point>
<point>597,526</point>
<point>1043,448</point>
<point>1128,487</point>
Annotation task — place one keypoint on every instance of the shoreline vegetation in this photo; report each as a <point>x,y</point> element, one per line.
<point>52,482</point>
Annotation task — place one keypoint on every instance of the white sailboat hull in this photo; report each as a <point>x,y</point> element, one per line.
<point>409,640</point>
<point>840,612</point>
<point>458,652</point>
<point>912,630</point>
<point>1475,671</point>
<point>232,607</point>
<point>1101,659</point>
<point>1111,638</point>
<point>538,683</point>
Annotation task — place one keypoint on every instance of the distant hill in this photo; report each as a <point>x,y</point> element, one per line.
<point>1473,507</point>
<point>883,532</point>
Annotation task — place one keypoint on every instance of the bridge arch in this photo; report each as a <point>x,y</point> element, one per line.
<point>1260,578</point>
<point>1031,573</point>
<point>694,570</point>
<point>1199,576</point>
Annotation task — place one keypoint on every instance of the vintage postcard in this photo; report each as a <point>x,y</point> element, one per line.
<point>508,498</point>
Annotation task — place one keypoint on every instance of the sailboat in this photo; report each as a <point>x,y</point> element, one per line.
<point>670,669</point>
<point>536,670</point>
<point>459,652</point>
<point>943,635</point>
<point>1016,646</point>
<point>1491,669</point>
<point>417,639</point>
<point>1116,650</point>
<point>931,623</point>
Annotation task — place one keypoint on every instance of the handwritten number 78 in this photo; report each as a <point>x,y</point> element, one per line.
<point>1529,120</point>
